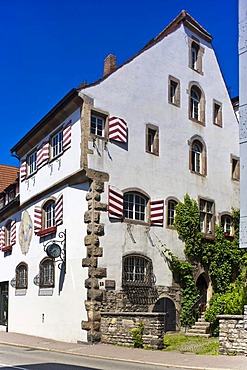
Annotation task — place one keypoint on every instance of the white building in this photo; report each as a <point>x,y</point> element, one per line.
<point>107,166</point>
<point>242,46</point>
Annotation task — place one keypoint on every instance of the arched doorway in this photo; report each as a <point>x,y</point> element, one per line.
<point>166,305</point>
<point>202,286</point>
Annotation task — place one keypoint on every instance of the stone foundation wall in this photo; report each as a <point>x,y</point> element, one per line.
<point>233,334</point>
<point>116,328</point>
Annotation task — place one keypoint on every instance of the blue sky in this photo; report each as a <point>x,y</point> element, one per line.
<point>50,46</point>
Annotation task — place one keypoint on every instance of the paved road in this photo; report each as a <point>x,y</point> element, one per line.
<point>32,359</point>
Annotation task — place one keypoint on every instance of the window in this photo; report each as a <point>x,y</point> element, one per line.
<point>198,156</point>
<point>217,113</point>
<point>206,216</point>
<point>97,125</point>
<point>137,270</point>
<point>21,276</point>
<point>2,201</point>
<point>195,55</point>
<point>152,139</point>
<point>56,144</point>
<point>134,206</point>
<point>235,168</point>
<point>32,163</point>
<point>226,224</point>
<point>49,214</point>
<point>174,91</point>
<point>195,103</point>
<point>46,273</point>
<point>171,204</point>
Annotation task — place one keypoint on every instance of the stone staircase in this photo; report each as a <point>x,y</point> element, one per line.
<point>200,329</point>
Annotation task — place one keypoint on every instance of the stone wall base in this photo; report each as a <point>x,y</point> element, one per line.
<point>233,334</point>
<point>116,328</point>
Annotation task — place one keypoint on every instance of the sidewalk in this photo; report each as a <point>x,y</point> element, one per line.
<point>168,359</point>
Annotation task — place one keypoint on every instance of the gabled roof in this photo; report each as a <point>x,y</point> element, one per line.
<point>184,18</point>
<point>72,100</point>
<point>8,174</point>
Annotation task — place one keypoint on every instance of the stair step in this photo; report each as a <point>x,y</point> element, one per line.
<point>200,324</point>
<point>197,335</point>
<point>196,330</point>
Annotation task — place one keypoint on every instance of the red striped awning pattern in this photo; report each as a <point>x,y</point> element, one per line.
<point>13,232</point>
<point>37,219</point>
<point>67,137</point>
<point>115,202</point>
<point>43,155</point>
<point>59,210</point>
<point>2,237</point>
<point>157,212</point>
<point>117,129</point>
<point>23,170</point>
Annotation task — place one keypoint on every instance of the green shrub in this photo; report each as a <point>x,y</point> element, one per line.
<point>137,334</point>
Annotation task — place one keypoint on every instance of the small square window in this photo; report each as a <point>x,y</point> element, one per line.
<point>217,114</point>
<point>32,163</point>
<point>174,91</point>
<point>97,125</point>
<point>152,139</point>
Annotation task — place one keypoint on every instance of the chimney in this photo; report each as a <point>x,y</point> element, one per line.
<point>109,64</point>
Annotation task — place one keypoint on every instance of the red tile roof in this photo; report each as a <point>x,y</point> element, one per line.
<point>8,174</point>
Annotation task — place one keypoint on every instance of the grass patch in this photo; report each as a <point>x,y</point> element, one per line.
<point>196,345</point>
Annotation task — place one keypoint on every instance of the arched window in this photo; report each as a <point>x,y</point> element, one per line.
<point>21,276</point>
<point>194,55</point>
<point>137,270</point>
<point>46,273</point>
<point>226,224</point>
<point>196,103</point>
<point>198,156</point>
<point>196,52</point>
<point>171,204</point>
<point>195,98</point>
<point>134,206</point>
<point>49,214</point>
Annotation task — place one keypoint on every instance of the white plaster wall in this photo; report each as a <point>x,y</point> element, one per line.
<point>64,310</point>
<point>243,119</point>
<point>58,169</point>
<point>138,93</point>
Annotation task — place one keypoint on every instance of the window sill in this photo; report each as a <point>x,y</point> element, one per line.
<point>198,173</point>
<point>153,153</point>
<point>174,104</point>
<point>197,121</point>
<point>135,222</point>
<point>7,248</point>
<point>229,236</point>
<point>50,230</point>
<point>208,236</point>
<point>217,124</point>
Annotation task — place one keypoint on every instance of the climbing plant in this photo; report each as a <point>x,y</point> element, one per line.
<point>222,257</point>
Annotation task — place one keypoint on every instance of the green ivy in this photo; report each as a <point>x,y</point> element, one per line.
<point>184,274</point>
<point>224,260</point>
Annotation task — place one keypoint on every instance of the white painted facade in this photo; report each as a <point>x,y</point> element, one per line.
<point>242,47</point>
<point>137,92</point>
